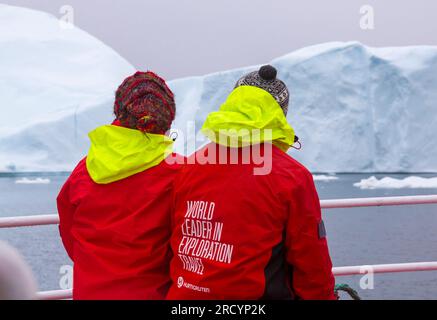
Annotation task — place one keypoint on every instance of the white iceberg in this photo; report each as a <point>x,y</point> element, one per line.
<point>56,84</point>
<point>412,182</point>
<point>355,108</point>
<point>33,181</point>
<point>323,177</point>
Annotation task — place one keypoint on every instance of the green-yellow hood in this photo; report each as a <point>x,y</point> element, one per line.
<point>249,116</point>
<point>117,153</point>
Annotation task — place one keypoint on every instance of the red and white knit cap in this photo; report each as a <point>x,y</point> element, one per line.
<point>144,102</point>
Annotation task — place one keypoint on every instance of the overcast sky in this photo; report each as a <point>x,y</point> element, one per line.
<point>178,38</point>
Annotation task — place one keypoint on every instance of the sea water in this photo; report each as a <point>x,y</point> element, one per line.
<point>357,236</point>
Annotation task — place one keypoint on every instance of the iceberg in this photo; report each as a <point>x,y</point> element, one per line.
<point>412,182</point>
<point>56,84</point>
<point>32,181</point>
<point>355,108</point>
<point>324,178</point>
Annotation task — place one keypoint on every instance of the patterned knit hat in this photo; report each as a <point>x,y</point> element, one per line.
<point>266,79</point>
<point>144,102</point>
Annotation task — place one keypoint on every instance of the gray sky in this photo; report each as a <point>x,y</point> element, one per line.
<point>178,38</point>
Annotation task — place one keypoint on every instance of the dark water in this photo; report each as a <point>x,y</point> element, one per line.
<point>359,236</point>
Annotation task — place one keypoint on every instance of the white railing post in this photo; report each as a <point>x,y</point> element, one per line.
<point>29,221</point>
<point>378,202</point>
<point>55,295</point>
<point>338,272</point>
<point>386,268</point>
<point>41,220</point>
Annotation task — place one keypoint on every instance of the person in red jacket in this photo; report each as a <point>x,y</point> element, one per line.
<point>247,221</point>
<point>115,208</point>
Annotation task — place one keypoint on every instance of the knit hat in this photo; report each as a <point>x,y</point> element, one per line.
<point>266,79</point>
<point>144,102</point>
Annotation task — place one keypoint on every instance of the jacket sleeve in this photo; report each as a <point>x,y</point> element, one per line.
<point>307,248</point>
<point>66,211</point>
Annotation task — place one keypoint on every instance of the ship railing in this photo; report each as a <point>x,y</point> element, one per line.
<point>53,219</point>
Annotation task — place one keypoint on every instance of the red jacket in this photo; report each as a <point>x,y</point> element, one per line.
<point>117,233</point>
<point>243,236</point>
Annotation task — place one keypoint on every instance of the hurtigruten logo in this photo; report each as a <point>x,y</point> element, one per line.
<point>180,282</point>
<point>189,286</point>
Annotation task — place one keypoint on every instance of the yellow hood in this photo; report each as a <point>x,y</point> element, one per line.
<point>249,116</point>
<point>117,153</point>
